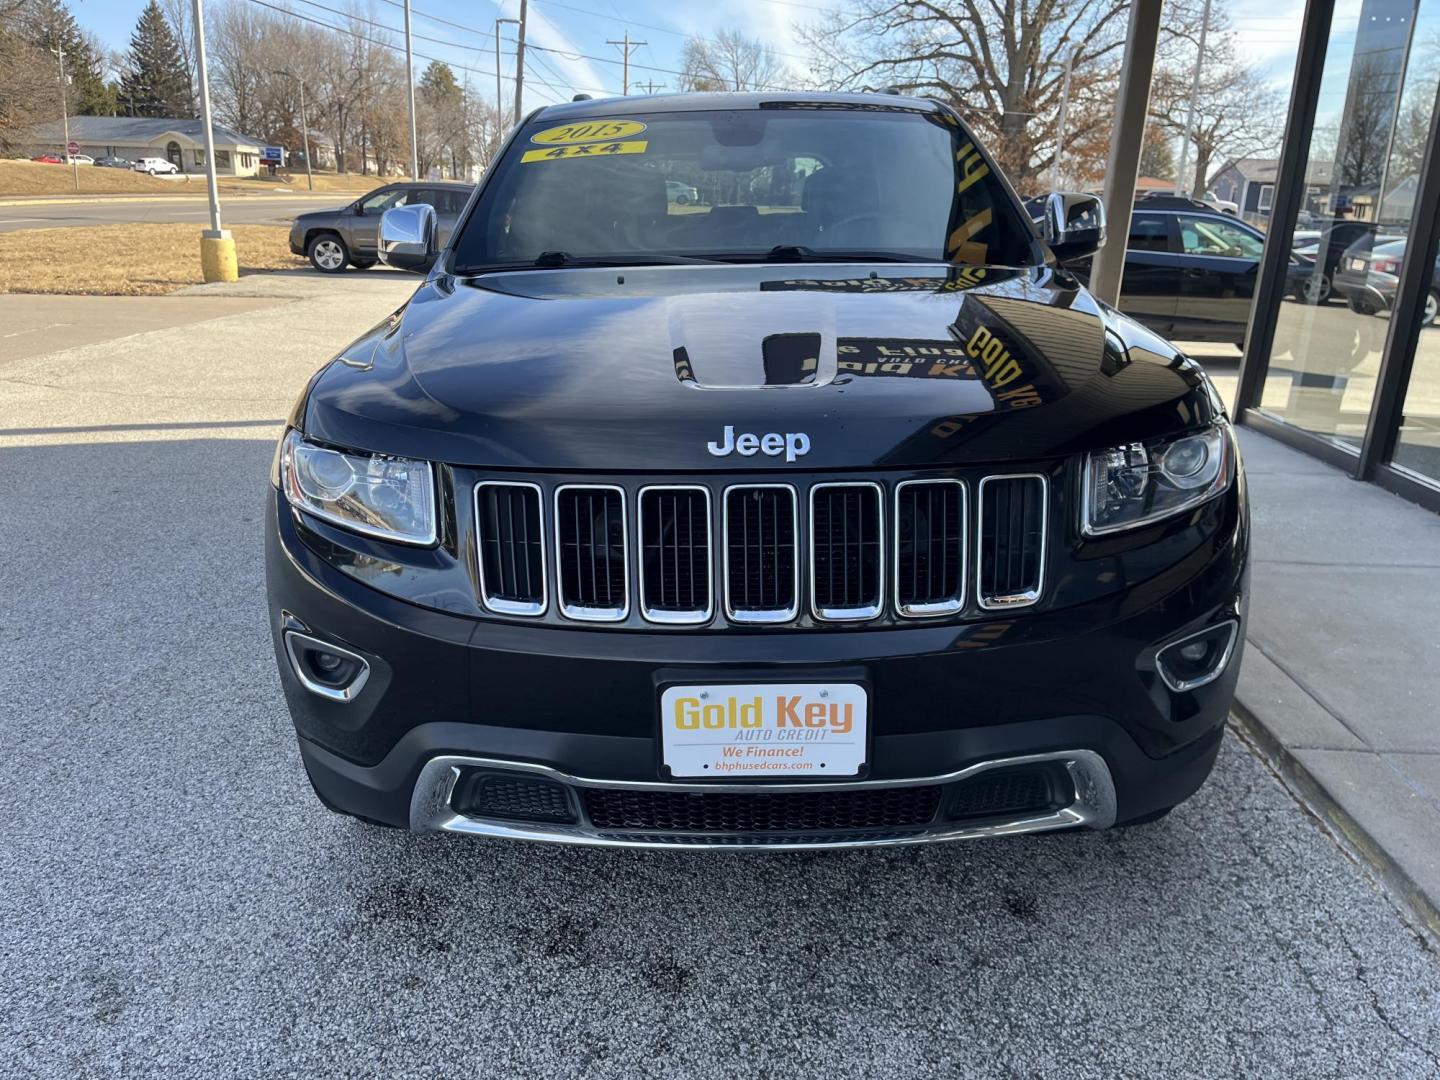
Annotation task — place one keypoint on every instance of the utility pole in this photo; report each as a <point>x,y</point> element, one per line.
<point>217,247</point>
<point>1064,108</point>
<point>626,46</point>
<point>650,86</point>
<point>59,52</point>
<point>1186,187</point>
<point>499,100</point>
<point>520,63</point>
<point>410,97</point>
<point>305,129</point>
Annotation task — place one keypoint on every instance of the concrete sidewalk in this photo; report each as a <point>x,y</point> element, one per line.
<point>1341,679</point>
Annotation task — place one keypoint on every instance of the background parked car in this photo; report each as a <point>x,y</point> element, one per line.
<point>81,159</point>
<point>681,194</point>
<point>1337,235</point>
<point>48,159</point>
<point>333,239</point>
<point>110,162</point>
<point>1190,270</point>
<point>155,166</point>
<point>1368,278</point>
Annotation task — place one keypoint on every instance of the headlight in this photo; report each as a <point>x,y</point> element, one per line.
<point>392,498</point>
<point>1137,483</point>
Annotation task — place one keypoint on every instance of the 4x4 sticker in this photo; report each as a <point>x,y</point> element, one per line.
<point>610,149</point>
<point>588,132</point>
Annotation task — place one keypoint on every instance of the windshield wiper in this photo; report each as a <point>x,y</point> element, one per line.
<point>549,259</point>
<point>784,253</point>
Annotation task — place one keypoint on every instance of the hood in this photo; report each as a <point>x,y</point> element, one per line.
<point>670,368</point>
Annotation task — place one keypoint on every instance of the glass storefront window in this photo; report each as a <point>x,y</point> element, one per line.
<point>1375,107</point>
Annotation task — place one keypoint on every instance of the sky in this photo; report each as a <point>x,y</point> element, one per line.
<point>580,29</point>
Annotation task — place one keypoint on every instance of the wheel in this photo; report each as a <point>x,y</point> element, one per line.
<point>327,253</point>
<point>362,264</point>
<point>1359,305</point>
<point>682,200</point>
<point>1432,308</point>
<point>1317,288</point>
<point>150,171</point>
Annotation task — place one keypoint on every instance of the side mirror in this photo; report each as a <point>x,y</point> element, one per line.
<point>1074,225</point>
<point>407,237</point>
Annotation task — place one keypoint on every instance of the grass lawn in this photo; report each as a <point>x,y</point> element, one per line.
<point>33,178</point>
<point>128,260</point>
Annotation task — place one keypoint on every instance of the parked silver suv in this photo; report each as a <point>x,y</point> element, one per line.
<point>332,239</point>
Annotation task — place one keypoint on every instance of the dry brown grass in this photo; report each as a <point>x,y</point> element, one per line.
<point>128,260</point>
<point>33,178</point>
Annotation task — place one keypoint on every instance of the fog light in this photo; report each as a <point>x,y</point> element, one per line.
<point>1198,658</point>
<point>325,669</point>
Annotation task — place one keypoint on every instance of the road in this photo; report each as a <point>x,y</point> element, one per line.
<point>176,903</point>
<point>235,210</point>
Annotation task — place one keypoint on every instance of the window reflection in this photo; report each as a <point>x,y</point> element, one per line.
<point>1375,109</point>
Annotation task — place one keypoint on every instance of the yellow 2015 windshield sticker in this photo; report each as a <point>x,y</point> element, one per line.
<point>588,131</point>
<point>591,150</point>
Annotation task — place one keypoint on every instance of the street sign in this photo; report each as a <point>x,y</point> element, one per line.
<point>74,147</point>
<point>273,153</point>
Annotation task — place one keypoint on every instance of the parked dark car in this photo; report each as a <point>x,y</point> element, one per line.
<point>333,239</point>
<point>112,162</point>
<point>1368,278</point>
<point>1190,272</point>
<point>840,516</point>
<point>1337,236</point>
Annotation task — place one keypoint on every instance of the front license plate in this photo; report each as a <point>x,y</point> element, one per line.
<point>764,729</point>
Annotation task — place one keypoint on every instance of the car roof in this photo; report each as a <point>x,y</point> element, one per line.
<point>429,184</point>
<point>680,103</point>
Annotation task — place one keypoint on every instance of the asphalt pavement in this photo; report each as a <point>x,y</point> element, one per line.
<point>257,209</point>
<point>176,903</point>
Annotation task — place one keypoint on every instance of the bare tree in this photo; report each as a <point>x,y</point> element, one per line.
<point>180,15</point>
<point>730,61</point>
<point>29,86</point>
<point>1000,63</point>
<point>1236,113</point>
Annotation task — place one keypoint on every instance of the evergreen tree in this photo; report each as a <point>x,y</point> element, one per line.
<point>49,25</point>
<point>154,82</point>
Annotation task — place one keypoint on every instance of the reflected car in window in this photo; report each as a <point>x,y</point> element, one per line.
<point>1368,277</point>
<point>1190,274</point>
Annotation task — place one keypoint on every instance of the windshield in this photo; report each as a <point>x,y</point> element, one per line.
<point>788,184</point>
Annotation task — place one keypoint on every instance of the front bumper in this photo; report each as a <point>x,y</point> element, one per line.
<point>1073,691</point>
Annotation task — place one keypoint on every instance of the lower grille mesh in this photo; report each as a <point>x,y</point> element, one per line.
<point>516,798</point>
<point>745,812</point>
<point>1011,792</point>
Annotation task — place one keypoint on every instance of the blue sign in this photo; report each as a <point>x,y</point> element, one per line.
<point>273,153</point>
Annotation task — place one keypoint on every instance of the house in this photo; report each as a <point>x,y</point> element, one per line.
<point>1250,184</point>
<point>179,141</point>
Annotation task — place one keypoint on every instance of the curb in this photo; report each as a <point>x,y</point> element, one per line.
<point>1353,838</point>
<point>200,196</point>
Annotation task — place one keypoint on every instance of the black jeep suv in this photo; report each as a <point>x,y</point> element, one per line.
<point>825,509</point>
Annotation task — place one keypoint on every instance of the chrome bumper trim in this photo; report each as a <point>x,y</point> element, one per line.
<point>430,809</point>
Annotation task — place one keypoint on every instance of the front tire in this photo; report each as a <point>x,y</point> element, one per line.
<point>1317,288</point>
<point>1359,306</point>
<point>362,264</point>
<point>327,253</point>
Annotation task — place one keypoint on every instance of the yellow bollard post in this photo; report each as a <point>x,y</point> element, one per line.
<point>217,256</point>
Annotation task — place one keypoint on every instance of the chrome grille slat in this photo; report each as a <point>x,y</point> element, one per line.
<point>931,521</point>
<point>510,548</point>
<point>848,584</point>
<point>762,575</point>
<point>591,552</point>
<point>1011,540</point>
<point>676,585</point>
